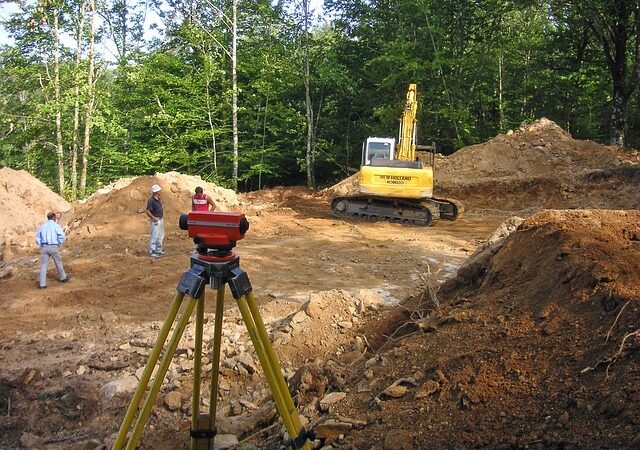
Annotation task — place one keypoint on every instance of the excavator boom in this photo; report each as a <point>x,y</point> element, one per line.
<point>408,129</point>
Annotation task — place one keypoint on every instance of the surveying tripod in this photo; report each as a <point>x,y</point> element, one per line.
<point>219,270</point>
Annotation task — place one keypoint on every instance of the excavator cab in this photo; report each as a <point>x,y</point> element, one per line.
<point>378,148</point>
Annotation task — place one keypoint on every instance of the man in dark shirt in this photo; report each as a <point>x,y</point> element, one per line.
<point>155,212</point>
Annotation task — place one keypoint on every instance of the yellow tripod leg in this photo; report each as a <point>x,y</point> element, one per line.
<point>215,358</point>
<point>164,366</point>
<point>148,370</point>
<point>273,360</point>
<point>197,367</point>
<point>272,370</point>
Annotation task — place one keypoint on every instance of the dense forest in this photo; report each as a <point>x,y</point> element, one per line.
<point>258,93</point>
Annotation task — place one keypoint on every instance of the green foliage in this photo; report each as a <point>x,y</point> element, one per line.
<point>482,68</point>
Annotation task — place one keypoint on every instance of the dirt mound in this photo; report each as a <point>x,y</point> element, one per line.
<point>275,198</point>
<point>540,165</point>
<point>348,186</point>
<point>537,347</point>
<point>528,152</point>
<point>119,208</point>
<point>599,246</point>
<point>535,167</point>
<point>25,202</point>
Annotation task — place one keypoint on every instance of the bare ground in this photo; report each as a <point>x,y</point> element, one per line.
<point>451,336</point>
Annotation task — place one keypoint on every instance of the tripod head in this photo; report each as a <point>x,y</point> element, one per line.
<point>214,233</point>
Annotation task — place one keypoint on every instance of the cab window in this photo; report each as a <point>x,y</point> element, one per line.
<point>380,150</point>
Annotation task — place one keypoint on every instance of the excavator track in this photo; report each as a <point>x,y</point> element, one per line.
<point>398,210</point>
<point>447,209</point>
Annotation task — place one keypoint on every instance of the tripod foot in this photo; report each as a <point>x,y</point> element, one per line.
<point>202,436</point>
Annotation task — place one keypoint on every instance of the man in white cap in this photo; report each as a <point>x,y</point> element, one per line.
<point>155,212</point>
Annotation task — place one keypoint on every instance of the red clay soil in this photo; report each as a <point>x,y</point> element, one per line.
<point>535,347</point>
<point>24,204</point>
<point>532,345</point>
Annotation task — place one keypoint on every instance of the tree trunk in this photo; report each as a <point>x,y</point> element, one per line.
<point>346,140</point>
<point>58,105</point>
<point>623,84</point>
<point>310,160</point>
<point>234,78</point>
<point>88,116</point>
<point>616,25</point>
<point>122,47</point>
<point>501,126</point>
<point>525,83</point>
<point>264,141</point>
<point>618,119</point>
<point>76,104</point>
<point>214,155</point>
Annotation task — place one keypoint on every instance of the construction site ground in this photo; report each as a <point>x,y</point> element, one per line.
<point>516,326</point>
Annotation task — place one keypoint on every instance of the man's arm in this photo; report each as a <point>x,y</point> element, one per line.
<point>60,234</point>
<point>210,201</point>
<point>148,211</point>
<point>39,236</point>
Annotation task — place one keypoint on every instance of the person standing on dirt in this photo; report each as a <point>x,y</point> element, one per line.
<point>50,237</point>
<point>155,212</point>
<point>201,201</point>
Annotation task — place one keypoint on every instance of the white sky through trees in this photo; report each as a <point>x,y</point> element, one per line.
<point>10,7</point>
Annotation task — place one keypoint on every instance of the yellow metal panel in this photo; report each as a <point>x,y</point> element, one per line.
<point>399,182</point>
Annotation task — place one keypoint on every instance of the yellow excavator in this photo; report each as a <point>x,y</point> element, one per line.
<point>394,184</point>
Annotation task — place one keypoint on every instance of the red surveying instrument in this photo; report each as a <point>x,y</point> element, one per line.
<point>214,232</point>
<point>215,235</point>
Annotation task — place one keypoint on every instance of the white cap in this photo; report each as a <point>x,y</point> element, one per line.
<point>155,188</point>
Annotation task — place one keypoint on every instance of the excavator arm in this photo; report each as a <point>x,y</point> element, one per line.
<point>407,136</point>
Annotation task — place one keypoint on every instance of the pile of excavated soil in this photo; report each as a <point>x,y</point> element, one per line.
<point>119,209</point>
<point>533,151</point>
<point>306,202</point>
<point>115,210</point>
<point>25,202</point>
<point>538,166</point>
<point>536,346</point>
<point>348,186</point>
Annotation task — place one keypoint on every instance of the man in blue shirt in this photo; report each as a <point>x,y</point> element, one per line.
<point>50,237</point>
<point>155,213</point>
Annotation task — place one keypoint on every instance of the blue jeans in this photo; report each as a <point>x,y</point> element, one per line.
<point>156,236</point>
<point>46,252</point>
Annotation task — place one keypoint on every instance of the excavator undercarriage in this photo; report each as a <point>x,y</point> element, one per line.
<point>400,210</point>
